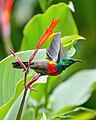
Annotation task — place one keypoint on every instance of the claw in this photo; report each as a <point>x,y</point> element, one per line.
<point>32,81</point>
<point>33,89</point>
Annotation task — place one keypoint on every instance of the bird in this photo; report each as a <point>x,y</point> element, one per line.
<point>57,60</point>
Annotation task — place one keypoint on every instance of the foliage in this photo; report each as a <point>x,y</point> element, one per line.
<point>55,99</point>
<point>37,25</point>
<point>79,113</point>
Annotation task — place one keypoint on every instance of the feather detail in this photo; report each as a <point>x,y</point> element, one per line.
<point>52,68</point>
<point>54,49</point>
<point>56,52</point>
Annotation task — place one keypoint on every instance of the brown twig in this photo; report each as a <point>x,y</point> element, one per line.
<point>25,91</point>
<point>22,105</point>
<point>46,35</point>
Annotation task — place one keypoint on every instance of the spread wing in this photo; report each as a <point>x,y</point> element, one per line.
<point>56,51</point>
<point>62,53</point>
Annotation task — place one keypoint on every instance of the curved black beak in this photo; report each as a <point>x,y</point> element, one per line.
<point>79,61</point>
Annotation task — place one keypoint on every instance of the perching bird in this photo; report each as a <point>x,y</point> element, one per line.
<point>57,59</point>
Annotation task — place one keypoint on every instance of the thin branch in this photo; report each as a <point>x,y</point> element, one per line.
<point>46,35</point>
<point>25,79</point>
<point>25,91</point>
<point>22,105</point>
<point>18,59</point>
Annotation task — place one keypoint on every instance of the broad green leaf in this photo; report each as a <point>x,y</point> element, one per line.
<point>78,113</point>
<point>29,115</point>
<point>38,24</point>
<point>43,4</point>
<point>70,40</point>
<point>5,108</point>
<point>15,74</point>
<point>71,52</point>
<point>13,111</point>
<point>66,109</point>
<point>49,2</point>
<point>16,99</point>
<point>10,76</point>
<point>43,116</point>
<point>10,109</point>
<point>41,92</point>
<point>75,91</point>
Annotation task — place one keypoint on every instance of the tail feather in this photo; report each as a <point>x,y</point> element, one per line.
<point>17,65</point>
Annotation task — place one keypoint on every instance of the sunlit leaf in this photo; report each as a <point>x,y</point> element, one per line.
<point>75,91</point>
<point>38,24</point>
<point>43,4</point>
<point>78,113</point>
<point>9,79</point>
<point>33,30</point>
<point>5,108</point>
<point>13,111</point>
<point>71,52</point>
<point>70,40</point>
<point>43,116</point>
<point>29,115</point>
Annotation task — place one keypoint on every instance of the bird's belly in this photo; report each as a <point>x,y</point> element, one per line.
<point>40,67</point>
<point>52,68</point>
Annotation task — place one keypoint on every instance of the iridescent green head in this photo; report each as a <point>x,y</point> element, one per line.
<point>64,63</point>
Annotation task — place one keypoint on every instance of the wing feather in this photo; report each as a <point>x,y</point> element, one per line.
<point>56,52</point>
<point>62,53</point>
<point>53,51</point>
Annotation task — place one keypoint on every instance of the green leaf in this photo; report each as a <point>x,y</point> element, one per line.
<point>70,40</point>
<point>29,115</point>
<point>10,109</point>
<point>43,5</point>
<point>38,96</point>
<point>13,111</point>
<point>16,74</point>
<point>9,79</point>
<point>71,52</point>
<point>79,113</point>
<point>43,116</point>
<point>75,91</point>
<point>38,24</point>
<point>5,108</point>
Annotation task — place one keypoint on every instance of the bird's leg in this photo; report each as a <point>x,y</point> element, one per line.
<point>28,85</point>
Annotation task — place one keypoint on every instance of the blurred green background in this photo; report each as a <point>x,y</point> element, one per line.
<point>85,18</point>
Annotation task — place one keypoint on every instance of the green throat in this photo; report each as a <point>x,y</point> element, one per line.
<point>64,63</point>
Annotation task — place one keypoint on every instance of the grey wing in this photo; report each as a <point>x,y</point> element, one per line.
<point>62,53</point>
<point>56,51</point>
<point>53,51</point>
